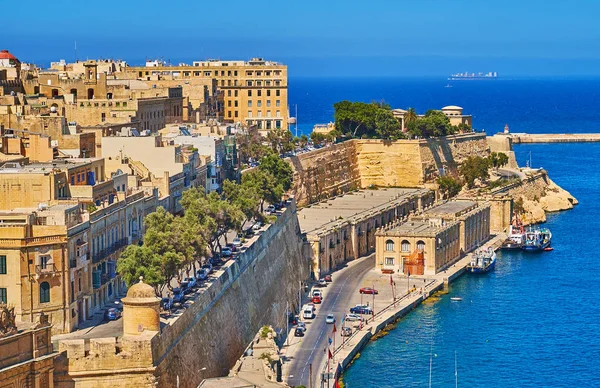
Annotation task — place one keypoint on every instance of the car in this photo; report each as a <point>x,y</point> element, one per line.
<point>226,252</point>
<point>232,247</point>
<point>257,226</point>
<point>270,209</point>
<point>112,314</point>
<point>361,310</point>
<point>298,333</point>
<point>301,326</point>
<point>317,299</point>
<point>317,293</point>
<point>191,281</point>
<point>329,318</point>
<point>178,296</point>
<point>208,268</point>
<point>237,242</point>
<point>166,304</point>
<point>322,283</point>
<point>249,232</point>
<point>368,290</point>
<point>202,274</point>
<point>346,332</point>
<point>185,287</point>
<point>352,317</point>
<point>328,278</point>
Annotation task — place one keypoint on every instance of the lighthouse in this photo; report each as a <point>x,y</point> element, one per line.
<point>506,131</point>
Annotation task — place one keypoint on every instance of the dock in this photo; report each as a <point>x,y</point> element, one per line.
<point>525,138</point>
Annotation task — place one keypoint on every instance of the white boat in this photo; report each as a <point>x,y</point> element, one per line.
<point>456,298</point>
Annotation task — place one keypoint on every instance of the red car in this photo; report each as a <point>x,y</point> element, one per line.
<point>328,278</point>
<point>368,290</point>
<point>316,299</point>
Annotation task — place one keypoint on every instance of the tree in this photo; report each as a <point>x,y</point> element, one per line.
<point>410,116</point>
<point>279,168</point>
<point>388,127</point>
<point>355,118</point>
<point>136,261</point>
<point>475,167</point>
<point>317,138</point>
<point>433,124</point>
<point>303,140</point>
<point>265,185</point>
<point>448,186</point>
<point>498,159</point>
<point>250,145</point>
<point>245,197</point>
<point>464,128</point>
<point>281,141</point>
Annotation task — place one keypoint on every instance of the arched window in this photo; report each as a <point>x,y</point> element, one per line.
<point>45,292</point>
<point>420,245</point>
<point>389,246</point>
<point>405,246</point>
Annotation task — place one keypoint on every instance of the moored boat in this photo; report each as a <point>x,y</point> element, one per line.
<point>536,240</point>
<point>515,235</point>
<point>483,261</point>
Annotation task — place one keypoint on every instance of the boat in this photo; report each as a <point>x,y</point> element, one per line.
<point>483,260</point>
<point>456,298</point>
<point>536,240</point>
<point>490,75</point>
<point>515,235</point>
<point>448,86</point>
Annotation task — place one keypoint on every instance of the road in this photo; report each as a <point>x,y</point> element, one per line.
<point>338,297</point>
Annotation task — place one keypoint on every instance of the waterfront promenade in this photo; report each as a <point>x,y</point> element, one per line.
<point>389,305</point>
<point>522,138</point>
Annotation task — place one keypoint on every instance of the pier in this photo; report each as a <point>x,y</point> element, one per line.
<point>522,138</point>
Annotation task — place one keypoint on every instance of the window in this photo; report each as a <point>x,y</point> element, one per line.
<point>420,245</point>
<point>268,113</point>
<point>3,265</point>
<point>268,93</point>
<point>259,93</point>
<point>248,83</point>
<point>277,103</point>
<point>249,93</point>
<point>229,93</point>
<point>269,124</point>
<point>3,296</point>
<point>260,113</point>
<point>268,102</point>
<point>389,246</point>
<point>278,126</point>
<point>235,73</point>
<point>277,93</point>
<point>236,113</point>
<point>405,246</point>
<point>389,261</point>
<point>235,103</point>
<point>259,103</point>
<point>44,260</point>
<point>229,103</point>
<point>45,292</point>
<point>249,103</point>
<point>278,114</point>
<point>229,114</point>
<point>235,92</point>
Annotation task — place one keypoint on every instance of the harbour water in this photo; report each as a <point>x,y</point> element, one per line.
<point>534,321</point>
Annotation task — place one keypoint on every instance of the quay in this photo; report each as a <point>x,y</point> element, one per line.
<point>345,353</point>
<point>522,138</point>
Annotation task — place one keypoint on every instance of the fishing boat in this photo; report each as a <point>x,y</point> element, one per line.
<point>456,298</point>
<point>516,232</point>
<point>484,260</point>
<point>535,240</point>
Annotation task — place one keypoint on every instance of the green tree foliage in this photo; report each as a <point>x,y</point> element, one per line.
<point>281,141</point>
<point>498,159</point>
<point>448,186</point>
<point>433,124</point>
<point>265,185</point>
<point>475,167</point>
<point>356,119</point>
<point>303,141</point>
<point>410,116</point>
<point>136,261</point>
<point>250,145</point>
<point>318,138</point>
<point>387,126</point>
<point>464,128</point>
<point>279,168</point>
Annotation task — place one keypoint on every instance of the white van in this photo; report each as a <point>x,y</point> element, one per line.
<point>308,312</point>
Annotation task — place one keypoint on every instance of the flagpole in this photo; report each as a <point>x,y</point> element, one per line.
<point>373,308</point>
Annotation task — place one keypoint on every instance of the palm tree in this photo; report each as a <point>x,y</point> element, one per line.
<point>410,116</point>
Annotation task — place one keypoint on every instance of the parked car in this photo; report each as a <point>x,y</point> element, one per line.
<point>328,278</point>
<point>185,287</point>
<point>271,209</point>
<point>178,296</point>
<point>361,310</point>
<point>317,293</point>
<point>257,226</point>
<point>237,242</point>
<point>322,283</point>
<point>346,332</point>
<point>191,281</point>
<point>368,290</point>
<point>329,318</point>
<point>316,299</point>
<point>208,267</point>
<point>301,326</point>
<point>112,314</point>
<point>298,332</point>
<point>352,317</point>
<point>201,274</point>
<point>249,232</point>
<point>166,304</point>
<point>226,252</point>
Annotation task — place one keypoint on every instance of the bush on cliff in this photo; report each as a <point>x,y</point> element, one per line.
<point>448,186</point>
<point>475,167</point>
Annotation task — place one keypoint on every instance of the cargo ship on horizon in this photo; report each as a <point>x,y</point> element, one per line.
<point>473,76</point>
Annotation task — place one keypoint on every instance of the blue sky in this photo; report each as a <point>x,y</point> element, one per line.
<point>326,37</point>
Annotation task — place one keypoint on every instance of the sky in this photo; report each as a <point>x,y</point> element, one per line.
<point>319,38</point>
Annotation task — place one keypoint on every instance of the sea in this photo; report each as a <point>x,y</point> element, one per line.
<point>535,320</point>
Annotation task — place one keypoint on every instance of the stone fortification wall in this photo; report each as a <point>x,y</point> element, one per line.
<point>325,172</point>
<point>212,333</point>
<point>503,143</point>
<point>361,163</point>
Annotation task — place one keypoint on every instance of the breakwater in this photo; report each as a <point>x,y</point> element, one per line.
<point>522,138</point>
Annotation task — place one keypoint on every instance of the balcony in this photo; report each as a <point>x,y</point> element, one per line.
<point>96,279</point>
<point>45,270</point>
<point>104,253</point>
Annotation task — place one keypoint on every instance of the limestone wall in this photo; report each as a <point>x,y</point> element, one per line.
<point>211,334</point>
<point>325,172</point>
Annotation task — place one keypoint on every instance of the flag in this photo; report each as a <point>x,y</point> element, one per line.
<point>337,384</point>
<point>330,340</point>
<point>334,328</point>
<point>330,355</point>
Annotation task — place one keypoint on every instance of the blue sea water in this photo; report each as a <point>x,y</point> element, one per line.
<point>535,320</point>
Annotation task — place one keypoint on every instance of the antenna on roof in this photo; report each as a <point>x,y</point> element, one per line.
<point>75,51</point>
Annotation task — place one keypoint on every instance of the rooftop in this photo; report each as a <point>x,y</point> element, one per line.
<point>416,228</point>
<point>452,208</point>
<point>351,207</point>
